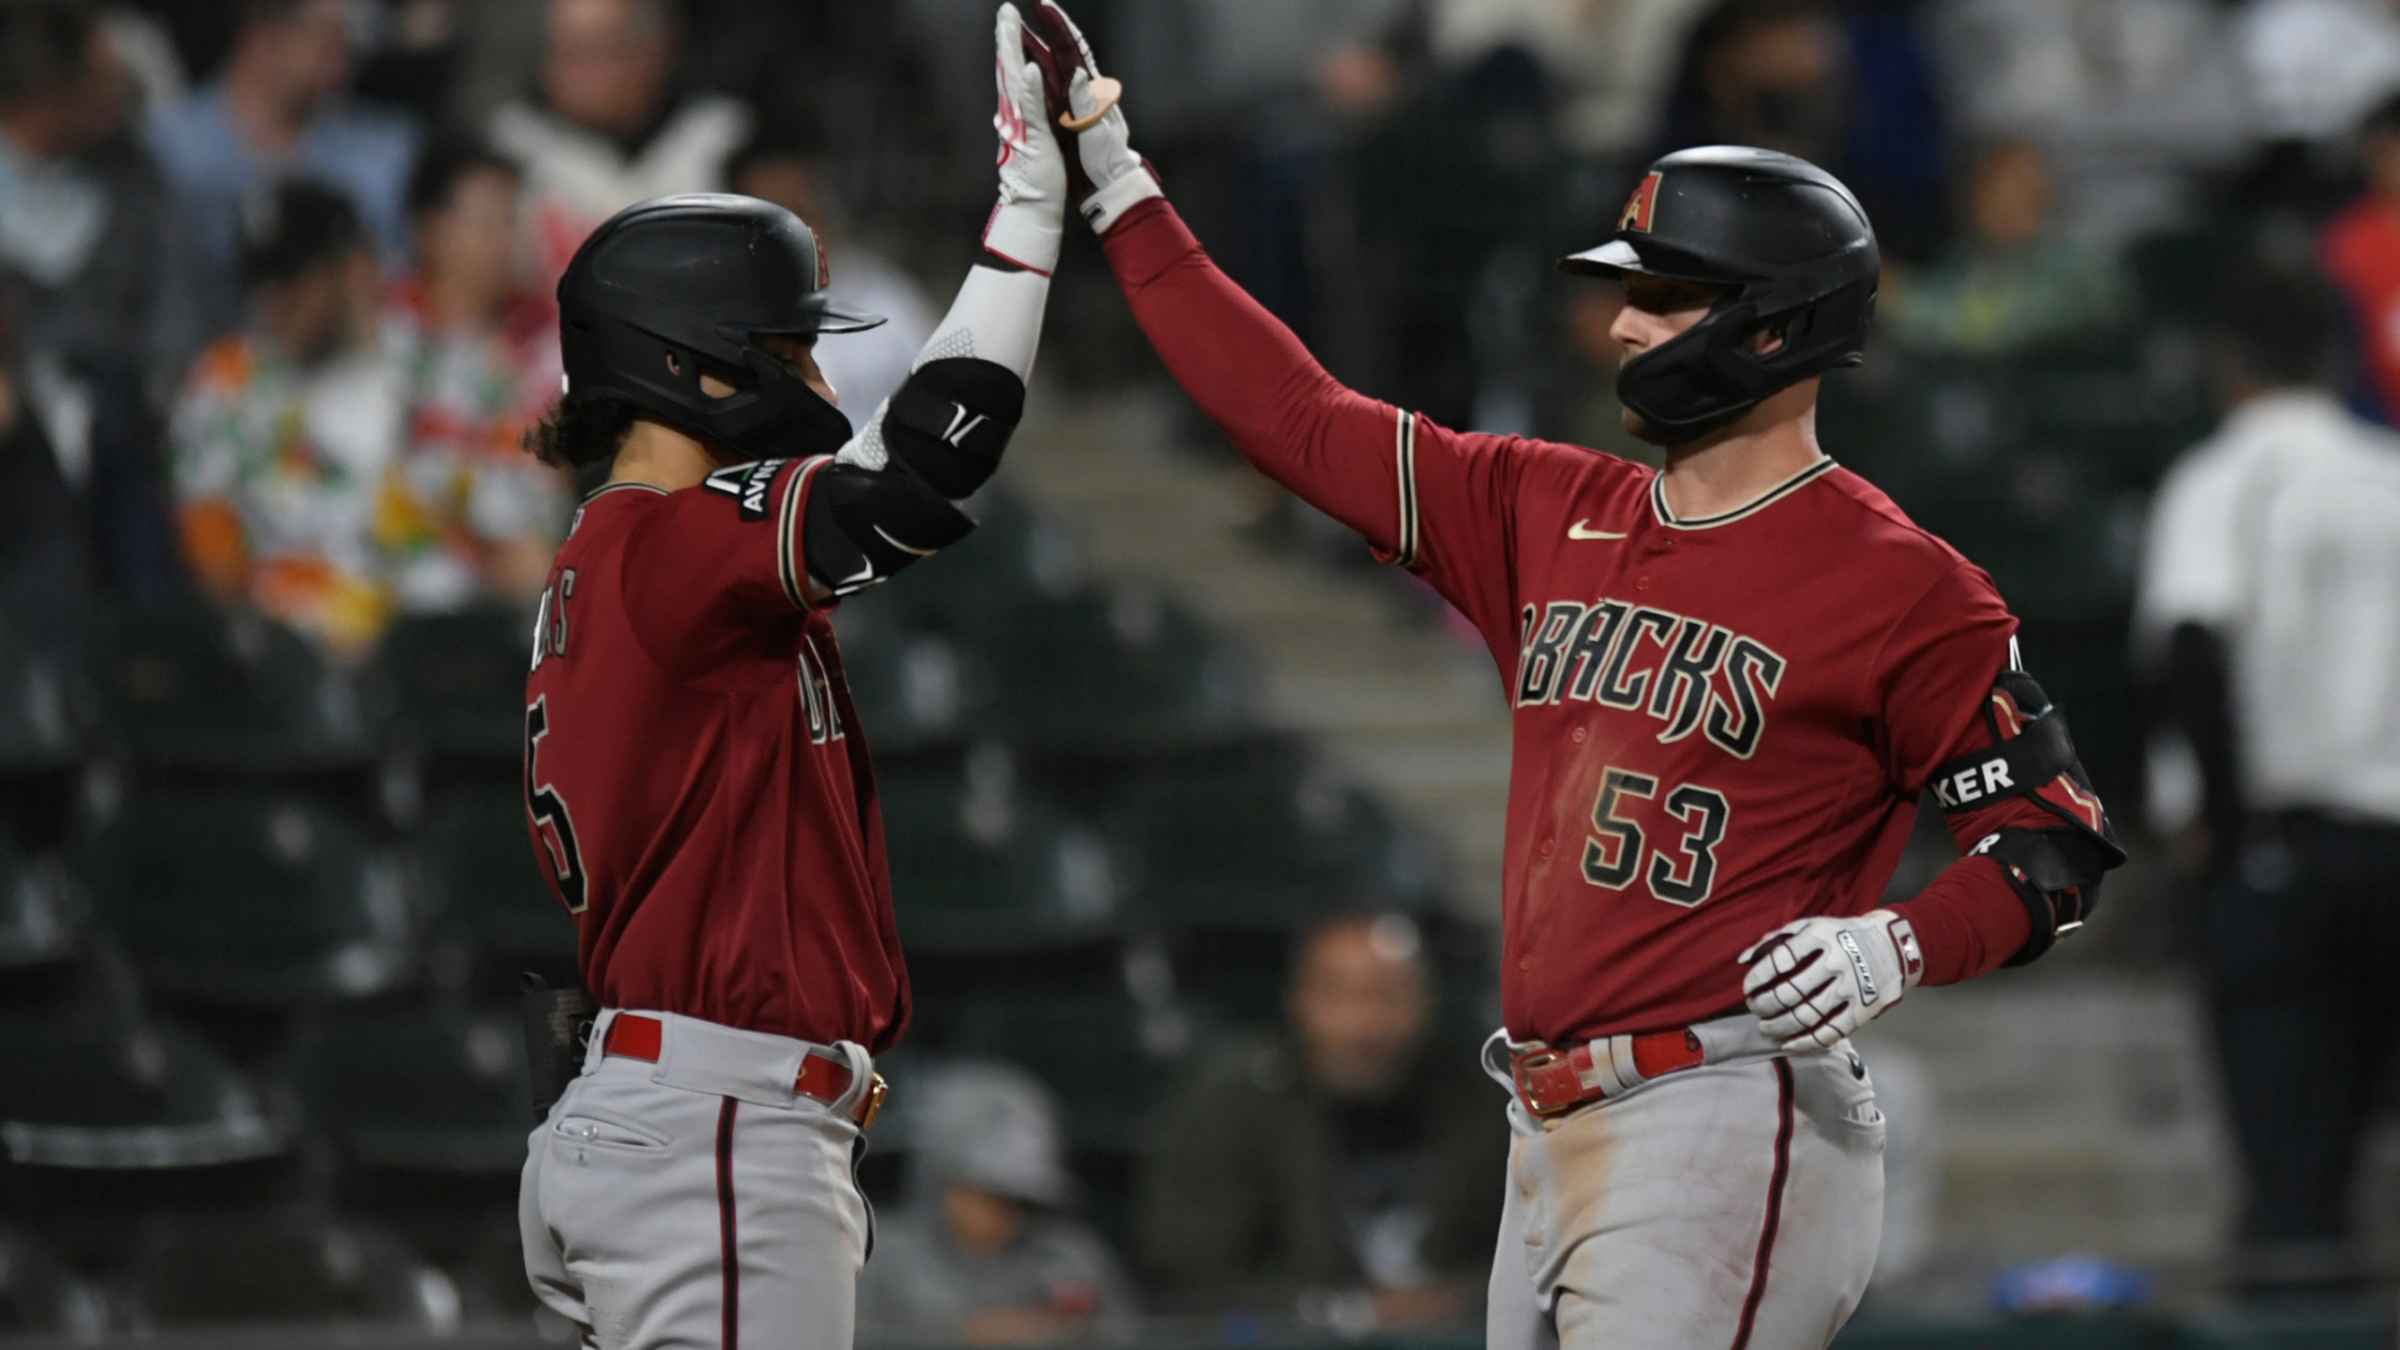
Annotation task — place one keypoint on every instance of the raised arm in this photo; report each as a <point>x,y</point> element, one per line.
<point>893,493</point>
<point>1433,500</point>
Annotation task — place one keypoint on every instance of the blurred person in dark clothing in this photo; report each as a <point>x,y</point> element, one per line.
<point>476,353</point>
<point>2013,281</point>
<point>2269,619</point>
<point>793,169</point>
<point>276,109</point>
<point>286,436</point>
<point>986,1250</point>
<point>2361,252</point>
<point>1852,93</point>
<point>81,217</point>
<point>1357,1191</point>
<point>610,122</point>
<point>85,242</point>
<point>45,581</point>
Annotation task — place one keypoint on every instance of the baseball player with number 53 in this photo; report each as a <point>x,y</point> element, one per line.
<point>1732,678</point>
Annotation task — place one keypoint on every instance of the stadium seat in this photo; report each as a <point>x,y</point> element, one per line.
<point>916,691</point>
<point>286,1267</point>
<point>1108,1058</point>
<point>1264,843</point>
<point>452,686</point>
<point>38,734</point>
<point>39,1295</point>
<point>1122,673</point>
<point>483,890</point>
<point>236,900</point>
<point>417,1089</point>
<point>42,911</point>
<point>1014,558</point>
<point>97,1097</point>
<point>189,690</point>
<point>981,868</point>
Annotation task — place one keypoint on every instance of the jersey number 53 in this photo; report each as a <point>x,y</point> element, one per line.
<point>1680,872</point>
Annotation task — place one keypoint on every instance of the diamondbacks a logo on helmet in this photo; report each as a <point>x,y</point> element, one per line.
<point>824,264</point>
<point>1642,204</point>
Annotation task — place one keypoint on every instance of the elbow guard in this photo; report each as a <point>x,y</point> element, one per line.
<point>2055,870</point>
<point>949,421</point>
<point>864,525</point>
<point>892,498</point>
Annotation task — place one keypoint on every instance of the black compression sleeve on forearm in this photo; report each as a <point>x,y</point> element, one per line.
<point>2198,685</point>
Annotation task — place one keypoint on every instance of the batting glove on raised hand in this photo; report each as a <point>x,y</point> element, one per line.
<point>1029,221</point>
<point>1111,176</point>
<point>1814,981</point>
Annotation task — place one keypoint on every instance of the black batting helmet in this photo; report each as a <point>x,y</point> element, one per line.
<point>1795,253</point>
<point>674,287</point>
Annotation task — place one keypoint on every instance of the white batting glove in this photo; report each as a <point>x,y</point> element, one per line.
<point>1814,981</point>
<point>1029,221</point>
<point>1118,176</point>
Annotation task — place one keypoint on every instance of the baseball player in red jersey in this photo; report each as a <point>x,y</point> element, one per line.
<point>697,784</point>
<point>1732,680</point>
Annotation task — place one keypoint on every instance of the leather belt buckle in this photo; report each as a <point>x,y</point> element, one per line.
<point>1546,1082</point>
<point>872,1104</point>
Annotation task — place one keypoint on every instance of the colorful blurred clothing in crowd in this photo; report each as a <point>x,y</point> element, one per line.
<point>387,479</point>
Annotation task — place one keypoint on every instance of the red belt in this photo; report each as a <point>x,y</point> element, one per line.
<point>1553,1082</point>
<point>633,1036</point>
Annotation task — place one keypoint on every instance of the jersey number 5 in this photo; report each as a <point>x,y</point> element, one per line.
<point>1612,856</point>
<point>551,823</point>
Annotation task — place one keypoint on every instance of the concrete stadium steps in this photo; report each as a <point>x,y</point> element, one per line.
<point>1411,710</point>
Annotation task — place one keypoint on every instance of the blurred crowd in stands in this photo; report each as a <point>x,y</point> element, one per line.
<point>275,310</point>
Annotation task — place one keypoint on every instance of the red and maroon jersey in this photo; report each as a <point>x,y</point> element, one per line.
<point>1721,725</point>
<point>696,781</point>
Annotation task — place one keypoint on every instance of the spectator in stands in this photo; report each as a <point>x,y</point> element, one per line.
<point>1358,1192</point>
<point>2361,251</point>
<point>2013,282</point>
<point>609,123</point>
<point>2131,97</point>
<point>44,579</point>
<point>277,109</point>
<point>85,239</point>
<point>477,358</point>
<point>1853,94</point>
<point>80,214</point>
<point>284,439</point>
<point>985,1251</point>
<point>2313,68</point>
<point>2269,613</point>
<point>1613,61</point>
<point>791,169</point>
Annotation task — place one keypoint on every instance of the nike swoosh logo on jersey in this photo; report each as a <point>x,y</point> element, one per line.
<point>1578,530</point>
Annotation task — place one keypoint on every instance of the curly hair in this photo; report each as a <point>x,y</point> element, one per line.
<point>580,432</point>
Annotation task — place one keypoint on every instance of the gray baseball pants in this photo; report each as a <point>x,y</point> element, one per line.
<point>698,1201</point>
<point>1737,1204</point>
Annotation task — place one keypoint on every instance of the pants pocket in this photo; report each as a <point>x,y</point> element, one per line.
<point>1834,1094</point>
<point>584,1128</point>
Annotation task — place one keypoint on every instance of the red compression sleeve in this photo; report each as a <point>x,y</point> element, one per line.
<point>1251,375</point>
<point>1968,921</point>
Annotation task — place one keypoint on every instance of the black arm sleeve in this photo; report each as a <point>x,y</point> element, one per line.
<point>2198,689</point>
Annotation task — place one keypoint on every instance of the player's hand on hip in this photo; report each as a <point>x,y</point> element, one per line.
<point>1814,981</point>
<point>1028,223</point>
<point>1109,176</point>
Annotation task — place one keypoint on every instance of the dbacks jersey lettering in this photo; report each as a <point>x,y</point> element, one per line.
<point>697,786</point>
